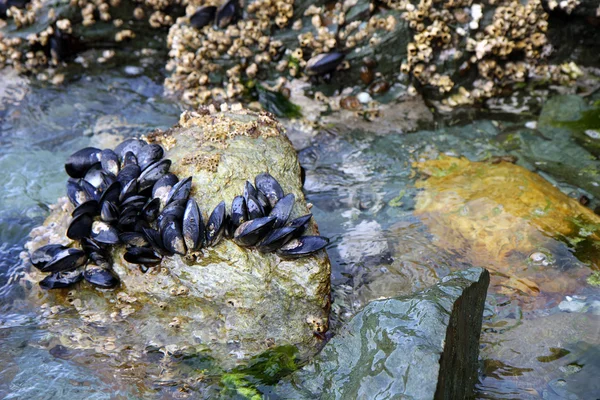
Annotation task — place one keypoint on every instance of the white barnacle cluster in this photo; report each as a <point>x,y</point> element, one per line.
<point>517,31</point>
<point>565,5</point>
<point>219,62</point>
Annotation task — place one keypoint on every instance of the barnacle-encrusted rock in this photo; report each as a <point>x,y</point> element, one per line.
<point>226,302</point>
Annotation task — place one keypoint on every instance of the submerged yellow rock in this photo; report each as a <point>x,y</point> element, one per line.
<point>507,219</point>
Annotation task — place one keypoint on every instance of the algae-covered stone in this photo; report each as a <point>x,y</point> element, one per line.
<point>227,303</point>
<point>423,346</point>
<point>511,221</point>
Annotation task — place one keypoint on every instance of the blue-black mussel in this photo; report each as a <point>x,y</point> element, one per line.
<point>127,197</point>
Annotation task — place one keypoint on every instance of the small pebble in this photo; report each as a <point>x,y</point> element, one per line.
<point>594,134</point>
<point>364,97</point>
<point>570,305</point>
<point>133,70</point>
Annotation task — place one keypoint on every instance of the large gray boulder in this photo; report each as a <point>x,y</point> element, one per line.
<point>226,304</point>
<point>423,346</point>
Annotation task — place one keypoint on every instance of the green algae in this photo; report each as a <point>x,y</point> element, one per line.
<point>277,103</point>
<point>556,353</point>
<point>265,369</point>
<point>594,279</point>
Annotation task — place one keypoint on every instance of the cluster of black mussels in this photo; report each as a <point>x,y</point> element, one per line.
<point>129,197</point>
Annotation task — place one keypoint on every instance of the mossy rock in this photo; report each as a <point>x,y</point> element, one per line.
<point>225,304</point>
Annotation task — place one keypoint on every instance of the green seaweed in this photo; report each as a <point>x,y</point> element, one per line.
<point>397,201</point>
<point>277,103</point>
<point>594,279</point>
<point>265,369</point>
<point>590,119</point>
<point>557,353</point>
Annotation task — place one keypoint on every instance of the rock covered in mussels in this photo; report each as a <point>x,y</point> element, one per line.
<point>209,300</point>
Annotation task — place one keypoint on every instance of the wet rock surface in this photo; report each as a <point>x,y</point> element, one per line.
<point>223,305</point>
<point>511,220</point>
<point>421,346</point>
<point>567,349</point>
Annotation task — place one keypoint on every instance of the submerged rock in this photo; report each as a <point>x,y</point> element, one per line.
<point>511,221</point>
<point>225,303</point>
<point>419,347</point>
<point>538,353</point>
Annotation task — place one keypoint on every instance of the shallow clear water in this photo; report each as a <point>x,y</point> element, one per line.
<point>363,190</point>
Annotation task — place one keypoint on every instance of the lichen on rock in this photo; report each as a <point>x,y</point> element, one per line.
<point>226,303</point>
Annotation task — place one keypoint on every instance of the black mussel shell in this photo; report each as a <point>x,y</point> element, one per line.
<point>128,217</point>
<point>89,189</point>
<point>163,186</point>
<point>100,277</point>
<point>239,212</point>
<point>107,179</point>
<point>99,258</point>
<point>193,226</point>
<point>44,254</point>
<point>302,246</point>
<point>140,224</point>
<point>276,238</point>
<point>130,159</point>
<point>134,239</point>
<point>129,172</point>
<point>173,211</point>
<point>128,189</point>
<point>133,145</point>
<point>149,154</point>
<point>110,194</point>
<point>109,161</point>
<point>249,190</point>
<point>255,210</point>
<point>283,209</point>
<point>109,212</point>
<point>203,16</point>
<point>227,13</point>
<point>81,161</point>
<point>150,210</point>
<point>215,226</point>
<point>269,186</point>
<point>90,246</point>
<point>59,280</point>
<point>136,201</point>
<point>80,227</point>
<point>76,194</point>
<point>95,176</point>
<point>89,207</point>
<point>301,223</point>
<point>251,232</point>
<point>63,45</point>
<point>324,63</point>
<point>263,201</point>
<point>142,255</point>
<point>65,260</point>
<point>180,191</point>
<point>6,4</point>
<point>153,173</point>
<point>155,240</point>
<point>104,233</point>
<point>172,237</point>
